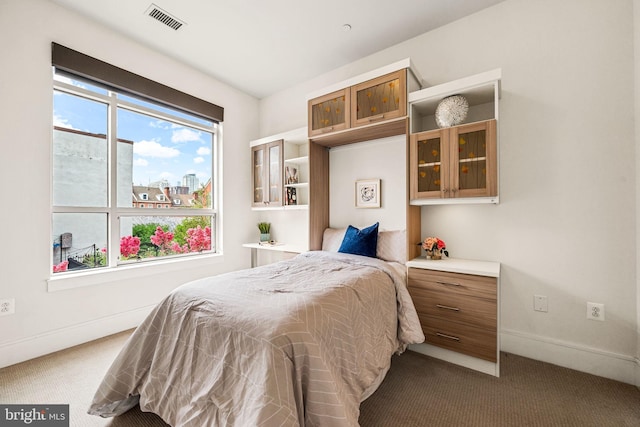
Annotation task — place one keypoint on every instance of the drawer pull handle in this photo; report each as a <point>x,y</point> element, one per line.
<point>448,283</point>
<point>451,337</point>
<point>446,307</point>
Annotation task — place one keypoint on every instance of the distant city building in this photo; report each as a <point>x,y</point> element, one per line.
<point>179,189</point>
<point>153,197</point>
<point>191,180</point>
<point>160,184</point>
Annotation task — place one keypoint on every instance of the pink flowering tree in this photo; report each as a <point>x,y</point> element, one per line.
<point>129,246</point>
<point>162,239</point>
<point>61,267</point>
<point>175,247</point>
<point>199,239</point>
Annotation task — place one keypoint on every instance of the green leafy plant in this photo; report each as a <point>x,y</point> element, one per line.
<point>264,227</point>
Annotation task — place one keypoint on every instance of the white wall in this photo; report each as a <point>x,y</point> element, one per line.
<point>47,321</point>
<point>383,159</point>
<point>565,226</point>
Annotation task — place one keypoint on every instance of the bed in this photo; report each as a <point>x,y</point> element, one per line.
<point>300,342</point>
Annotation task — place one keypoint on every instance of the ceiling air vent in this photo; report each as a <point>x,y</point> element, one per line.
<point>160,15</point>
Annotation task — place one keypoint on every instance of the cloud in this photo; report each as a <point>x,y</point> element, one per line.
<point>154,149</point>
<point>61,122</point>
<point>140,162</point>
<point>168,176</point>
<point>198,160</point>
<point>203,151</point>
<point>159,124</point>
<point>185,135</point>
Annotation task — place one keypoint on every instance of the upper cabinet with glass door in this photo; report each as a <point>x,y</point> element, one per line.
<point>382,98</point>
<point>366,107</point>
<point>454,163</point>
<point>280,171</point>
<point>329,113</point>
<point>457,164</point>
<point>267,174</point>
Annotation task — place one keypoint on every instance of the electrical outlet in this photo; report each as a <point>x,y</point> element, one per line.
<point>540,303</point>
<point>7,306</point>
<point>595,311</point>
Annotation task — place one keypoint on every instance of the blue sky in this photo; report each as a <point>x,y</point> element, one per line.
<point>162,150</point>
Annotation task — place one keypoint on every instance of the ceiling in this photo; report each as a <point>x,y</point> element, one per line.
<point>264,46</point>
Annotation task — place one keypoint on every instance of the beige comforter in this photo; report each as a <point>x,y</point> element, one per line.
<point>296,343</point>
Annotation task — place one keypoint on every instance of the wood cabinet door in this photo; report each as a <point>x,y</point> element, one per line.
<point>274,172</point>
<point>379,99</point>
<point>257,175</point>
<point>329,113</point>
<point>267,161</point>
<point>428,169</point>
<point>473,170</point>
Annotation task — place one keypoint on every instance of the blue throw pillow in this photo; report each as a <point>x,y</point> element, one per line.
<point>360,242</point>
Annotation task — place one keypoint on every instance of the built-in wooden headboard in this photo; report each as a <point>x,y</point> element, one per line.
<point>319,198</point>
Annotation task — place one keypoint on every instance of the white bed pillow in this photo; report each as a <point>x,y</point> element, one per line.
<point>332,239</point>
<point>392,244</point>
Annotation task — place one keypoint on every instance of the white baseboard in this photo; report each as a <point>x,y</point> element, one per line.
<point>457,358</point>
<point>59,339</point>
<point>593,361</point>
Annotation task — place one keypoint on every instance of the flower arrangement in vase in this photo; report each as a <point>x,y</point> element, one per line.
<point>435,248</point>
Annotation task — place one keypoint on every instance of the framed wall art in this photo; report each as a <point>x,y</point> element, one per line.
<point>368,193</point>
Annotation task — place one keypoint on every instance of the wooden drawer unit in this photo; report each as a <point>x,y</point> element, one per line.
<point>453,283</point>
<point>461,337</point>
<point>457,311</point>
<point>456,308</point>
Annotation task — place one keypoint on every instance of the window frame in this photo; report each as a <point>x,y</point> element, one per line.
<point>65,280</point>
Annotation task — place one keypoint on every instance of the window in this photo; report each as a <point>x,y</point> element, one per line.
<point>112,150</point>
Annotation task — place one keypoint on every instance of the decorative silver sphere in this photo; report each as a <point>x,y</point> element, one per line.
<point>452,111</point>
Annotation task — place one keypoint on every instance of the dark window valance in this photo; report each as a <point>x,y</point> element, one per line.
<point>81,65</point>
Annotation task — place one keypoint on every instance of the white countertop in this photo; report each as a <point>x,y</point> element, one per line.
<point>456,265</point>
<point>281,247</point>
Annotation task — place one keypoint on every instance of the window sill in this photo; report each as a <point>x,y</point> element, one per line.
<point>129,271</point>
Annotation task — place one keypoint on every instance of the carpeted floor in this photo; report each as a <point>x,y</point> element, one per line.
<point>418,391</point>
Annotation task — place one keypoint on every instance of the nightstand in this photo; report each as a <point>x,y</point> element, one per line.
<point>458,305</point>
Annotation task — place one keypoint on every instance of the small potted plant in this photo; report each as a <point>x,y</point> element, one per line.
<point>265,231</point>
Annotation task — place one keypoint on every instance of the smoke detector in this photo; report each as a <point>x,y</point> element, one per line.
<point>163,16</point>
